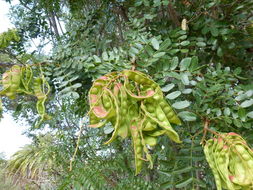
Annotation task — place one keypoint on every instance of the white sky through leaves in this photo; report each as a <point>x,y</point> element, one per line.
<point>11,138</point>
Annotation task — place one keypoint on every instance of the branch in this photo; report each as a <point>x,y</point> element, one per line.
<point>7,64</point>
<point>121,11</point>
<point>59,23</point>
<point>206,125</point>
<point>120,29</point>
<point>173,14</point>
<point>8,52</point>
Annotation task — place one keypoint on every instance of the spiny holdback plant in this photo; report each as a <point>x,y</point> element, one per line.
<point>135,106</point>
<point>20,80</point>
<point>231,161</point>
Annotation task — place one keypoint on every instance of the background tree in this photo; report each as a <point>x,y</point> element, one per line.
<point>199,52</point>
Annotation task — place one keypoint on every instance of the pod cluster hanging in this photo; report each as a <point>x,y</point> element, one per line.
<point>20,80</point>
<point>135,107</point>
<point>231,161</point>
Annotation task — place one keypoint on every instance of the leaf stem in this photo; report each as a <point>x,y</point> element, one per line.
<point>206,125</point>
<point>76,149</point>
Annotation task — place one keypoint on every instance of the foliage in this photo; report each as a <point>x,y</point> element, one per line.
<point>35,164</point>
<point>199,52</point>
<point>8,37</point>
<point>5,182</point>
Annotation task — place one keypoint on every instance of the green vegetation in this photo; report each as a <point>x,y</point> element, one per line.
<point>198,56</point>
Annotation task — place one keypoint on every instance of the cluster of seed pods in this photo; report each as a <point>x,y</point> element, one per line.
<point>231,161</point>
<point>135,106</point>
<point>20,80</point>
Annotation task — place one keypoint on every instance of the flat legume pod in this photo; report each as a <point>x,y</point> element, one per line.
<point>232,159</point>
<point>139,78</point>
<point>169,112</point>
<point>118,98</point>
<point>123,130</point>
<point>208,153</point>
<point>26,79</point>
<point>164,124</point>
<point>138,148</point>
<point>118,117</point>
<point>143,94</point>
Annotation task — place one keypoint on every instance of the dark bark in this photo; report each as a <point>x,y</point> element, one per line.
<point>120,29</point>
<point>57,18</point>
<point>173,15</point>
<point>8,52</point>
<point>123,13</point>
<point>7,64</point>
<point>54,24</point>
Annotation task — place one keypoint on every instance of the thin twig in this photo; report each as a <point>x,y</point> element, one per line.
<point>206,125</point>
<point>133,63</point>
<point>77,145</point>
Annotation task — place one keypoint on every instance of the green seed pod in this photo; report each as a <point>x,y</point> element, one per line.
<point>26,78</point>
<point>137,146</point>
<point>167,109</point>
<point>94,90</point>
<point>170,113</point>
<point>138,150</point>
<point>124,103</point>
<point>141,96</point>
<point>17,80</point>
<point>150,107</point>
<point>169,130</point>
<point>118,117</point>
<point>155,133</point>
<point>123,131</point>
<point>95,124</point>
<point>232,159</point>
<point>137,107</point>
<point>151,141</point>
<point>6,80</point>
<point>149,126</point>
<point>157,97</point>
<point>240,149</point>
<point>37,87</point>
<point>106,100</point>
<point>138,166</point>
<point>160,114</point>
<point>15,73</point>
<point>250,163</point>
<point>41,107</point>
<point>93,118</point>
<point>11,95</point>
<point>138,77</point>
<point>100,112</point>
<point>116,89</point>
<point>208,153</point>
<point>11,81</point>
